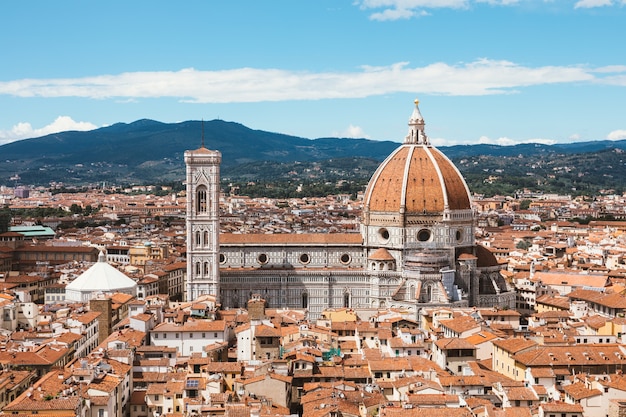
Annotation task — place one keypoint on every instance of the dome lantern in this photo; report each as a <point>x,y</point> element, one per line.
<point>417,134</point>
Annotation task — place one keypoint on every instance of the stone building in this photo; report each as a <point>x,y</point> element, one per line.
<point>415,248</point>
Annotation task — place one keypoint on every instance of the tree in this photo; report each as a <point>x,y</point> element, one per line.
<point>5,219</point>
<point>524,204</point>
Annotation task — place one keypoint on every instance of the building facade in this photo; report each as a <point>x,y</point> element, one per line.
<point>415,248</point>
<point>203,191</point>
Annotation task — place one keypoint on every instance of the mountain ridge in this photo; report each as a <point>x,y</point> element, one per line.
<point>150,151</point>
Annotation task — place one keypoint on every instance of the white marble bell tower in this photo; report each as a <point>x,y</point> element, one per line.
<point>203,227</point>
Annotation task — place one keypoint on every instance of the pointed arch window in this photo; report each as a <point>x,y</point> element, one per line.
<point>411,294</point>
<point>198,269</point>
<point>201,199</point>
<point>198,239</point>
<point>205,241</point>
<point>206,269</point>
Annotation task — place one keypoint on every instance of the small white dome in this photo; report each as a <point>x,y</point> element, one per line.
<point>100,278</point>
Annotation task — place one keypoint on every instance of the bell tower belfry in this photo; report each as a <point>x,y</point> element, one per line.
<point>203,224</point>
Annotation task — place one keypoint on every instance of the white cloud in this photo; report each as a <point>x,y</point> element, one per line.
<point>504,141</point>
<point>498,2</point>
<point>24,130</point>
<point>351,132</point>
<point>617,135</point>
<point>446,142</point>
<point>575,137</point>
<point>406,9</point>
<point>618,80</point>
<point>589,4</point>
<point>611,68</point>
<point>392,14</point>
<point>481,77</point>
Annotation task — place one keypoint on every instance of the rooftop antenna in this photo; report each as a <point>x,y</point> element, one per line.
<point>202,133</point>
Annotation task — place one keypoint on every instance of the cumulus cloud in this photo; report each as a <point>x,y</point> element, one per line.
<point>351,132</point>
<point>447,142</point>
<point>611,68</point>
<point>504,141</point>
<point>405,9</point>
<point>617,135</point>
<point>481,77</point>
<point>589,4</point>
<point>24,130</point>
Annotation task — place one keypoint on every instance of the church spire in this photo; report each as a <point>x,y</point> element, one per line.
<point>202,134</point>
<point>416,135</point>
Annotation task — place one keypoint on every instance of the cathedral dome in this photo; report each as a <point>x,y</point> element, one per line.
<point>416,178</point>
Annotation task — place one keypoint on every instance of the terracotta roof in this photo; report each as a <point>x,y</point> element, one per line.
<point>418,179</point>
<point>425,412</point>
<point>569,279</point>
<point>561,407</point>
<point>381,254</point>
<point>579,391</point>
<point>266,331</point>
<point>579,355</point>
<point>481,337</point>
<point>460,324</point>
<point>612,300</point>
<point>521,394</point>
<point>454,343</point>
<point>514,345</point>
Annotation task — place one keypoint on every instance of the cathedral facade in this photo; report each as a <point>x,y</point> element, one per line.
<point>415,249</point>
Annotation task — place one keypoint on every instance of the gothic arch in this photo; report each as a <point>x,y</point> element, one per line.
<point>201,199</point>
<point>347,298</point>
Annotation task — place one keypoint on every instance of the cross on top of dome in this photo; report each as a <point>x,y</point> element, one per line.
<point>416,134</point>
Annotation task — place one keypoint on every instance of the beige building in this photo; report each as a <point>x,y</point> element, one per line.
<point>504,351</point>
<point>140,255</point>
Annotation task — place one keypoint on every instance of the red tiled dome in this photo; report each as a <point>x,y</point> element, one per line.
<point>417,178</point>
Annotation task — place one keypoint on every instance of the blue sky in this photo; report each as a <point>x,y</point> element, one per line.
<point>489,71</point>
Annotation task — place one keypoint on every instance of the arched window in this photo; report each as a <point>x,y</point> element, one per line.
<point>198,269</point>
<point>305,300</point>
<point>198,239</point>
<point>346,300</point>
<point>411,292</point>
<point>205,242</point>
<point>201,199</point>
<point>206,269</point>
